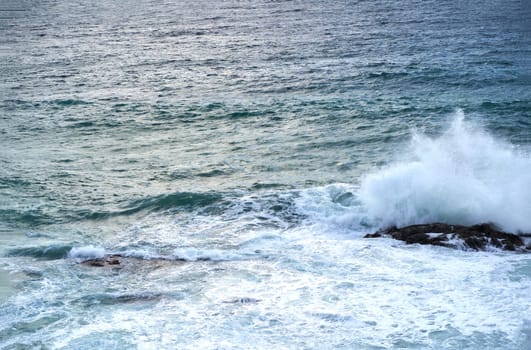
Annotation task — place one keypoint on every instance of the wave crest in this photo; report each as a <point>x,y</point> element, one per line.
<point>465,176</point>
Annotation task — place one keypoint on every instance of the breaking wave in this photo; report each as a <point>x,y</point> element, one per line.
<point>465,176</point>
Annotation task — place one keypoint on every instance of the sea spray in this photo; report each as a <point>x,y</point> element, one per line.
<point>86,252</point>
<point>465,176</point>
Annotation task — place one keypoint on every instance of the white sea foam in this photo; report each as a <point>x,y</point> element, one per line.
<point>195,254</point>
<point>186,253</point>
<point>288,288</point>
<point>465,176</point>
<point>334,208</point>
<point>86,252</point>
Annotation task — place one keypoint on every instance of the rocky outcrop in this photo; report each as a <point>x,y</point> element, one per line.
<point>109,260</point>
<point>118,261</point>
<point>476,237</point>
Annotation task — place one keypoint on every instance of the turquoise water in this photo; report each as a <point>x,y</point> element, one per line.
<point>258,142</point>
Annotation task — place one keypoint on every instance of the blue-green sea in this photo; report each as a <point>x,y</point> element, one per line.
<point>236,153</point>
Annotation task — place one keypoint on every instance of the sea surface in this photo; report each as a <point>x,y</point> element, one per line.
<point>238,151</point>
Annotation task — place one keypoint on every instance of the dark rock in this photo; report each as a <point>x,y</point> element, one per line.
<point>476,237</point>
<point>118,261</point>
<point>112,299</point>
<point>373,235</point>
<point>114,260</point>
<point>244,300</point>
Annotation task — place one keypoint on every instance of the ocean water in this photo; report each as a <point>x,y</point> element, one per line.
<point>238,151</point>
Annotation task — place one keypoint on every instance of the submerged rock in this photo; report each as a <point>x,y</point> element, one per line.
<point>476,237</point>
<point>118,261</point>
<point>244,300</point>
<point>113,299</point>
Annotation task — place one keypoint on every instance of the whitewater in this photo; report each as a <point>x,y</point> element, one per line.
<point>290,269</point>
<point>465,176</point>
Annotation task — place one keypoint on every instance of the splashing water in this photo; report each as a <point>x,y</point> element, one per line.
<point>465,176</point>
